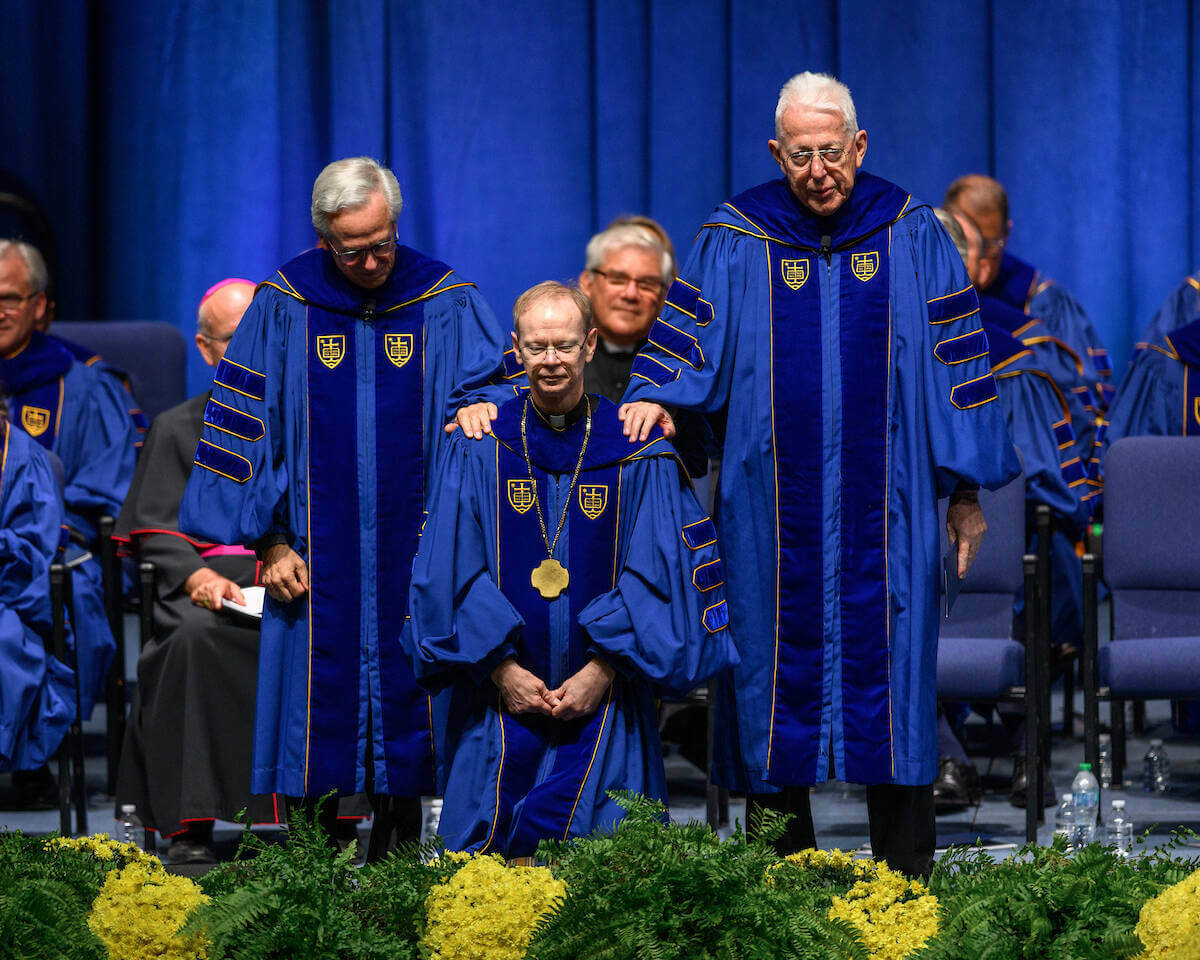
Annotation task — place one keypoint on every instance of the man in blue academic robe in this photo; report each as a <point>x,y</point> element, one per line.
<point>37,693</point>
<point>828,313</point>
<point>563,581</point>
<point>1011,281</point>
<point>321,437</point>
<point>83,417</point>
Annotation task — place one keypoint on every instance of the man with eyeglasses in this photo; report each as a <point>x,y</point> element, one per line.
<point>1008,280</point>
<point>626,274</point>
<point>186,756</point>
<point>563,582</point>
<point>830,316</point>
<point>325,425</point>
<point>83,417</point>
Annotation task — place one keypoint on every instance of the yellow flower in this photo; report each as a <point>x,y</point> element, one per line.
<point>1169,924</point>
<point>894,917</point>
<point>102,847</point>
<point>487,910</point>
<point>139,911</point>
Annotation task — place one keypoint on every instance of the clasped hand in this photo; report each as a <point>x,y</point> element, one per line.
<point>579,695</point>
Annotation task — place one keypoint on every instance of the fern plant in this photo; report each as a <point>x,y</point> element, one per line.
<point>651,890</point>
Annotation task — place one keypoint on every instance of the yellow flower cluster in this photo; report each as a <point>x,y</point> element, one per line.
<point>487,910</point>
<point>1169,924</point>
<point>140,909</point>
<point>811,859</point>
<point>893,915</point>
<point>102,847</point>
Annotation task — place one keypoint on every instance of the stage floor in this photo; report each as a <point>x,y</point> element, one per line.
<point>839,810</point>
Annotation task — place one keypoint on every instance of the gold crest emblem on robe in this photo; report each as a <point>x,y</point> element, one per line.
<point>398,347</point>
<point>520,495</point>
<point>593,498</point>
<point>864,265</point>
<point>35,420</point>
<point>331,348</point>
<point>795,272</point>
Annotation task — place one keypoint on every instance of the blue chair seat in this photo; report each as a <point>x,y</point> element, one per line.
<point>1151,668</point>
<point>978,668</point>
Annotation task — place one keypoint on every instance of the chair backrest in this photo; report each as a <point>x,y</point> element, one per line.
<point>984,605</point>
<point>1152,536</point>
<point>153,354</point>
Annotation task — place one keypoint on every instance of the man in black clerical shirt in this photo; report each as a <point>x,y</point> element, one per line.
<point>627,271</point>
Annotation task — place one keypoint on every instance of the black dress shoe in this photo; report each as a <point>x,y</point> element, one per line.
<point>1019,783</point>
<point>190,851</point>
<point>957,786</point>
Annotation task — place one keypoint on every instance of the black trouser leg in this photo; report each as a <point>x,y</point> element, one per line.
<point>903,828</point>
<point>396,820</point>
<point>794,800</point>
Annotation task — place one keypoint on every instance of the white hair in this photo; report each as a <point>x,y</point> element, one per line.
<point>628,235</point>
<point>33,260</point>
<point>820,91</point>
<point>346,184</point>
<point>950,224</point>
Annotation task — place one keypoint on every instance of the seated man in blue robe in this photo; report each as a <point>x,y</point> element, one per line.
<point>327,416</point>
<point>1038,417</point>
<point>37,692</point>
<point>1020,285</point>
<point>829,315</point>
<point>83,417</point>
<point>563,581</point>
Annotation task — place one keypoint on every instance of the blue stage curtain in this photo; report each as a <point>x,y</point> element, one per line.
<point>175,144</point>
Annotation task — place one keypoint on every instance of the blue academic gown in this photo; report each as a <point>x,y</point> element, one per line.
<point>324,426</point>
<point>1160,395</point>
<point>83,416</point>
<point>37,692</point>
<point>858,391</point>
<point>141,423</point>
<point>1020,285</point>
<point>646,593</point>
<point>1181,307</point>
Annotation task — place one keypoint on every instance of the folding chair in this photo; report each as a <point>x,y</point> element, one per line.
<point>1151,563</point>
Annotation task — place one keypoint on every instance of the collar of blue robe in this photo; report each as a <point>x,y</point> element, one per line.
<point>42,361</point>
<point>873,204</point>
<point>314,278</point>
<point>1014,282</point>
<point>1000,315</point>
<point>1003,347</point>
<point>557,451</point>
<point>1186,341</point>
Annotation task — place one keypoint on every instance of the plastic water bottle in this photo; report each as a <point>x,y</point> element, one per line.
<point>1086,790</point>
<point>433,818</point>
<point>1120,830</point>
<point>1064,819</point>
<point>1106,762</point>
<point>1156,769</point>
<point>127,825</point>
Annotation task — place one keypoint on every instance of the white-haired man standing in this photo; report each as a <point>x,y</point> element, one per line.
<point>829,314</point>
<point>327,416</point>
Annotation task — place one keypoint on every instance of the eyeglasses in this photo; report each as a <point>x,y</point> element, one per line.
<point>994,246</point>
<point>565,351</point>
<point>802,159</point>
<point>378,250</point>
<point>618,281</point>
<point>11,302</point>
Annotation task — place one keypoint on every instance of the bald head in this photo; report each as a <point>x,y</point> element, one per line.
<point>217,317</point>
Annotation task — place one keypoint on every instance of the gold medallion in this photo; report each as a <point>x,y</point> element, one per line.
<point>550,578</point>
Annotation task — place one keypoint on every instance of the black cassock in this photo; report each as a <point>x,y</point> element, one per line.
<point>187,750</point>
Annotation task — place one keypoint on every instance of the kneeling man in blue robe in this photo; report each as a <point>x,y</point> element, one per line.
<point>564,579</point>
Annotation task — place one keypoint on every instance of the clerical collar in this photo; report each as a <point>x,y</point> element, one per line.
<point>616,349</point>
<point>560,421</point>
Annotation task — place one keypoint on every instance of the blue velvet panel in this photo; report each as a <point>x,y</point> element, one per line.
<point>978,667</point>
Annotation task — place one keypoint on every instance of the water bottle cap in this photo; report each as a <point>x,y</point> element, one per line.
<point>1118,804</point>
<point>1156,743</point>
<point>128,808</point>
<point>1105,738</point>
<point>1067,798</point>
<point>1085,766</point>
